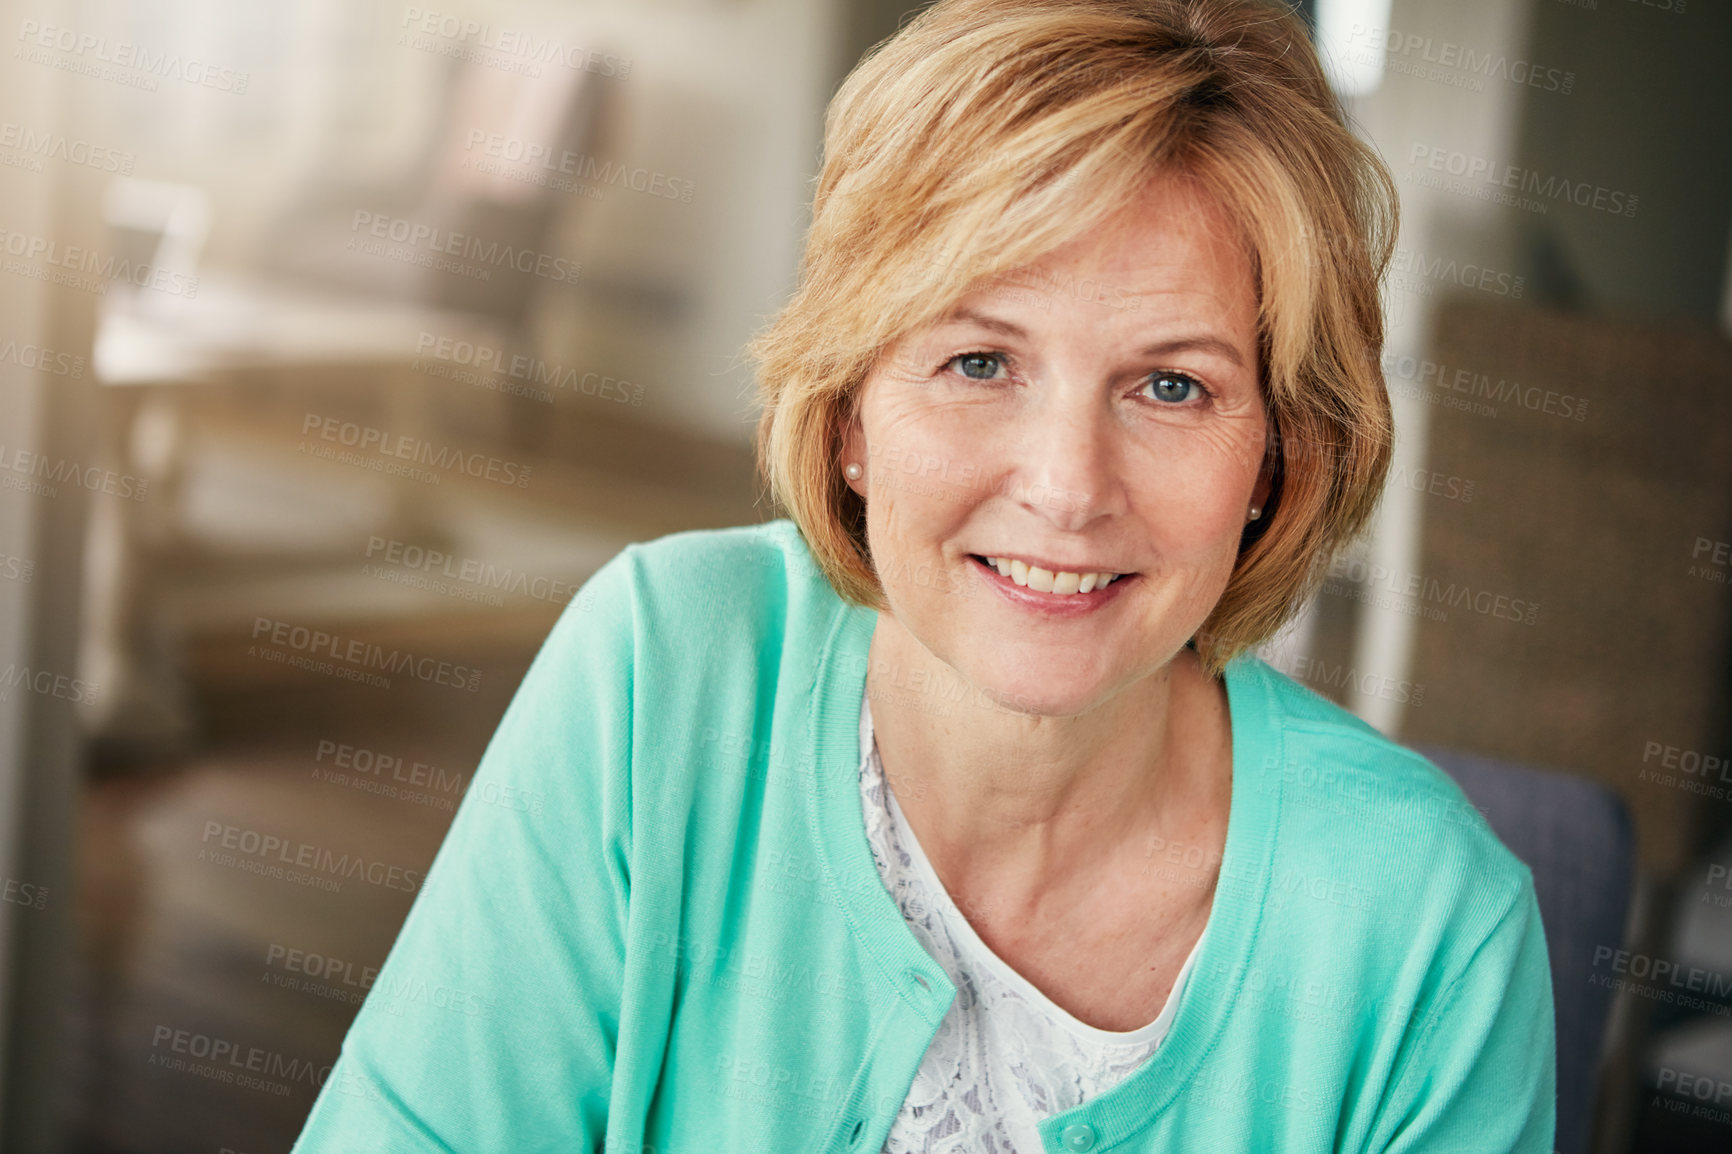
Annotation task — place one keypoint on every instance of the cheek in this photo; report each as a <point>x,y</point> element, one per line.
<point>919,436</point>
<point>921,474</point>
<point>1193,494</point>
<point>907,524</point>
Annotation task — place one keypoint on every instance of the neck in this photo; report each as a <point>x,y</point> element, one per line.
<point>1015,804</point>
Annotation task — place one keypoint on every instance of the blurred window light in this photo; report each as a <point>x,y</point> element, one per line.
<point>1350,39</point>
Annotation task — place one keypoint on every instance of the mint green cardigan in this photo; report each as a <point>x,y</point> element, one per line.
<point>656,921</point>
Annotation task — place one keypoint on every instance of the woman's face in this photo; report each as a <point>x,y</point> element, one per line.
<point>1099,412</point>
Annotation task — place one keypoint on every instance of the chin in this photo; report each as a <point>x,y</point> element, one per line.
<point>1043,698</point>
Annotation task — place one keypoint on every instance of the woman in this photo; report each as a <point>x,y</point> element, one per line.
<point>953,813</point>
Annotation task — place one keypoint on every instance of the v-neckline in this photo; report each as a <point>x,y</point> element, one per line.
<point>1154,1030</point>
<point>1224,955</point>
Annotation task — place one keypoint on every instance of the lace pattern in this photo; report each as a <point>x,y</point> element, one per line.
<point>1005,1056</point>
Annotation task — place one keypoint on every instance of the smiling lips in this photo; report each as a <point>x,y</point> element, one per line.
<point>1062,582</point>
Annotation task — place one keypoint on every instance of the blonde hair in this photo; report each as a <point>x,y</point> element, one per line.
<point>1001,129</point>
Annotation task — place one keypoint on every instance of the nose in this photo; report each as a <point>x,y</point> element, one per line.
<point>1068,469</point>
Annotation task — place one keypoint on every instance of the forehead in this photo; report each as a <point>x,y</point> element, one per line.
<point>1175,237</point>
<point>1171,264</point>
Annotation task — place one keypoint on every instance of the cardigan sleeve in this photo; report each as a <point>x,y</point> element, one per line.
<point>494,1020</point>
<point>1480,1070</point>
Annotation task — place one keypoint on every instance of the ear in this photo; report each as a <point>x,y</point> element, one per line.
<point>1266,473</point>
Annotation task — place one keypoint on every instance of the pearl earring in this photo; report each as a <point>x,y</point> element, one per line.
<point>1256,512</point>
<point>853,471</point>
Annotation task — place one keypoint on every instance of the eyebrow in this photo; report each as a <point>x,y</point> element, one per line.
<point>1205,344</point>
<point>1195,344</point>
<point>996,324</point>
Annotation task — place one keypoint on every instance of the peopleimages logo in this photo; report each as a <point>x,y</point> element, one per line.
<point>28,356</point>
<point>268,854</point>
<point>45,682</point>
<point>1707,558</point>
<point>387,775</point>
<point>483,575</point>
<point>25,894</point>
<point>1409,52</point>
<point>364,655</point>
<point>367,439</point>
<point>315,965</point>
<point>502,150</point>
<point>1700,1087</point>
<point>1692,762</point>
<point>519,46</point>
<point>1419,595</point>
<point>1719,552</point>
<point>47,473</point>
<point>440,242</point>
<point>1582,193</point>
<point>1316,672</point>
<point>37,145</point>
<point>1435,379</point>
<point>1661,972</point>
<point>225,1060</point>
<point>319,974</point>
<point>523,367</point>
<point>85,53</point>
<point>96,268</point>
<point>1447,486</point>
<point>1408,265</point>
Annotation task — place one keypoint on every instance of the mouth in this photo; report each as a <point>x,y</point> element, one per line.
<point>1050,584</point>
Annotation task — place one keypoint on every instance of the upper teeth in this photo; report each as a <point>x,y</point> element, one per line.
<point>1047,581</point>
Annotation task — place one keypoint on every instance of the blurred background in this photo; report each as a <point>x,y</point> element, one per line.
<point>341,340</point>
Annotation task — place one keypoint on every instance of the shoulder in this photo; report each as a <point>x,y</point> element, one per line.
<point>705,571</point>
<point>747,576</point>
<point>706,594</point>
<point>1330,760</point>
<point>754,556</point>
<point>681,648</point>
<point>1375,827</point>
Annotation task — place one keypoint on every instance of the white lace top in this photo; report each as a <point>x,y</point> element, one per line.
<point>1005,1056</point>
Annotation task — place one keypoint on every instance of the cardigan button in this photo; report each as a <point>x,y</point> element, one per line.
<point>1078,1136</point>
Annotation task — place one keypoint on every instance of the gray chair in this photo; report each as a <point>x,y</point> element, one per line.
<point>1576,837</point>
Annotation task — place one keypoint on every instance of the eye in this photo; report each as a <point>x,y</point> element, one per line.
<point>977,366</point>
<point>1174,388</point>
